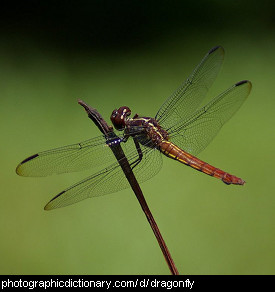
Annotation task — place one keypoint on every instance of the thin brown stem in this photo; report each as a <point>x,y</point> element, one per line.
<point>122,159</point>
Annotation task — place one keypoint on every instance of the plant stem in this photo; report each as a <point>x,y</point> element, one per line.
<point>122,159</point>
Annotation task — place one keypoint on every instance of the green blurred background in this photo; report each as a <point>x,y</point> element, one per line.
<point>135,53</point>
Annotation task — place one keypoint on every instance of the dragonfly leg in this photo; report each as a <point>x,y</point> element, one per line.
<point>140,154</point>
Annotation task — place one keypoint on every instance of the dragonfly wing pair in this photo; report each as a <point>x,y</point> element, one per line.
<point>190,128</point>
<point>88,154</point>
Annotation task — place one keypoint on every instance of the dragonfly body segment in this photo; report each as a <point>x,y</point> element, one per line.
<point>174,152</point>
<point>147,130</point>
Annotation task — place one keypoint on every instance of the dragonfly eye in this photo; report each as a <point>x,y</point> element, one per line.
<point>119,117</point>
<point>114,114</point>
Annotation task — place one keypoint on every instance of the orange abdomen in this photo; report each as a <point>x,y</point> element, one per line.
<point>172,151</point>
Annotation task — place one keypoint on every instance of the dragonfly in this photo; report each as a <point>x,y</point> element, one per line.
<point>181,129</point>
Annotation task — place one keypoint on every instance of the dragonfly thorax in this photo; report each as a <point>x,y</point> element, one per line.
<point>146,129</point>
<point>119,117</point>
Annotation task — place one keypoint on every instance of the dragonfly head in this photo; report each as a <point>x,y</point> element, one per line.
<point>120,116</point>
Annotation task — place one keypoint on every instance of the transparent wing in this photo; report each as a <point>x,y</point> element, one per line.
<point>186,99</point>
<point>196,132</point>
<point>75,157</point>
<point>109,180</point>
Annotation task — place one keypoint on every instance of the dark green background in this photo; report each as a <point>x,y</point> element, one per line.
<point>135,53</point>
